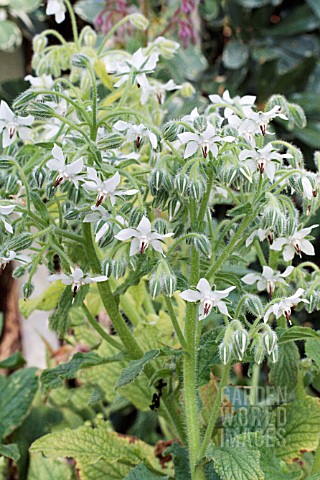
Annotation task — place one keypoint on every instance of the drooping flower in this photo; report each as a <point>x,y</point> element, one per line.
<point>206,141</point>
<point>56,8</point>
<point>295,243</point>
<point>105,188</point>
<point>157,90</point>
<point>208,298</point>
<point>262,119</point>
<point>268,279</point>
<point>11,125</point>
<point>239,102</point>
<point>143,236</point>
<point>136,133</point>
<point>263,159</point>
<point>284,306</point>
<point>77,279</point>
<point>4,211</point>
<point>66,172</point>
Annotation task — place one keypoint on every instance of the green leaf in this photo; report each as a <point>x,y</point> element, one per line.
<point>15,360</point>
<point>315,7</point>
<point>98,452</point>
<point>301,20</point>
<point>312,349</point>
<point>53,378</point>
<point>88,9</point>
<point>48,469</point>
<point>10,451</point>
<point>16,395</point>
<point>246,208</point>
<point>59,319</point>
<point>310,135</point>
<point>296,333</point>
<point>130,373</point>
<point>10,36</point>
<point>141,472</point>
<point>235,55</point>
<point>180,461</point>
<point>301,428</point>
<point>236,463</point>
<point>48,300</point>
<point>284,373</point>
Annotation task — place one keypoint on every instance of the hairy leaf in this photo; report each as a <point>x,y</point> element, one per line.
<point>130,373</point>
<point>10,451</point>
<point>236,463</point>
<point>141,472</point>
<point>296,333</point>
<point>16,395</point>
<point>284,373</point>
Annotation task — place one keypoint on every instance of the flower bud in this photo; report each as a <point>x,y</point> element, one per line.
<point>71,214</point>
<point>170,131</point>
<point>119,267</point>
<point>40,110</point>
<point>19,272</point>
<point>20,242</point>
<point>39,175</point>
<point>110,142</point>
<point>241,341</point>
<point>160,199</point>
<point>160,226</point>
<point>5,163</point>
<point>139,21</point>
<point>200,123</point>
<point>196,190</point>
<point>80,61</point>
<point>270,339</point>
<point>162,280</point>
<point>135,217</point>
<point>254,305</point>
<point>27,289</point>
<point>174,206</point>
<point>85,82</point>
<point>259,350</point>
<point>187,90</point>
<point>202,245</point>
<point>225,351</point>
<point>156,181</point>
<point>107,236</point>
<point>166,47</point>
<point>39,42</point>
<point>89,36</point>
<point>181,183</point>
<point>106,267</point>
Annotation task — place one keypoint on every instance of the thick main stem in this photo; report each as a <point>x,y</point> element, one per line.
<point>215,410</point>
<point>189,378</point>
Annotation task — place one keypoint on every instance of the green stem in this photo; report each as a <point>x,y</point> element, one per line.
<point>99,329</point>
<point>205,200</point>
<point>215,410</point>
<point>73,22</point>
<point>227,251</point>
<point>55,34</point>
<point>108,299</point>
<point>254,384</point>
<point>260,255</point>
<point>175,323</point>
<point>71,236</point>
<point>112,31</point>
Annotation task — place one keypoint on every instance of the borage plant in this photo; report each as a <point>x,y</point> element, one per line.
<point>170,244</point>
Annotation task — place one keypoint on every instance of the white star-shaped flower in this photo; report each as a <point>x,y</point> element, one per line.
<point>11,125</point>
<point>143,236</point>
<point>208,298</point>
<point>4,211</point>
<point>206,141</point>
<point>77,279</point>
<point>295,243</point>
<point>66,172</point>
<point>191,117</point>
<point>263,159</point>
<point>261,119</point>
<point>268,279</point>
<point>105,188</point>
<point>136,133</point>
<point>139,63</point>
<point>157,90</point>
<point>56,8</point>
<point>246,101</point>
<point>284,306</point>
<point>262,234</point>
